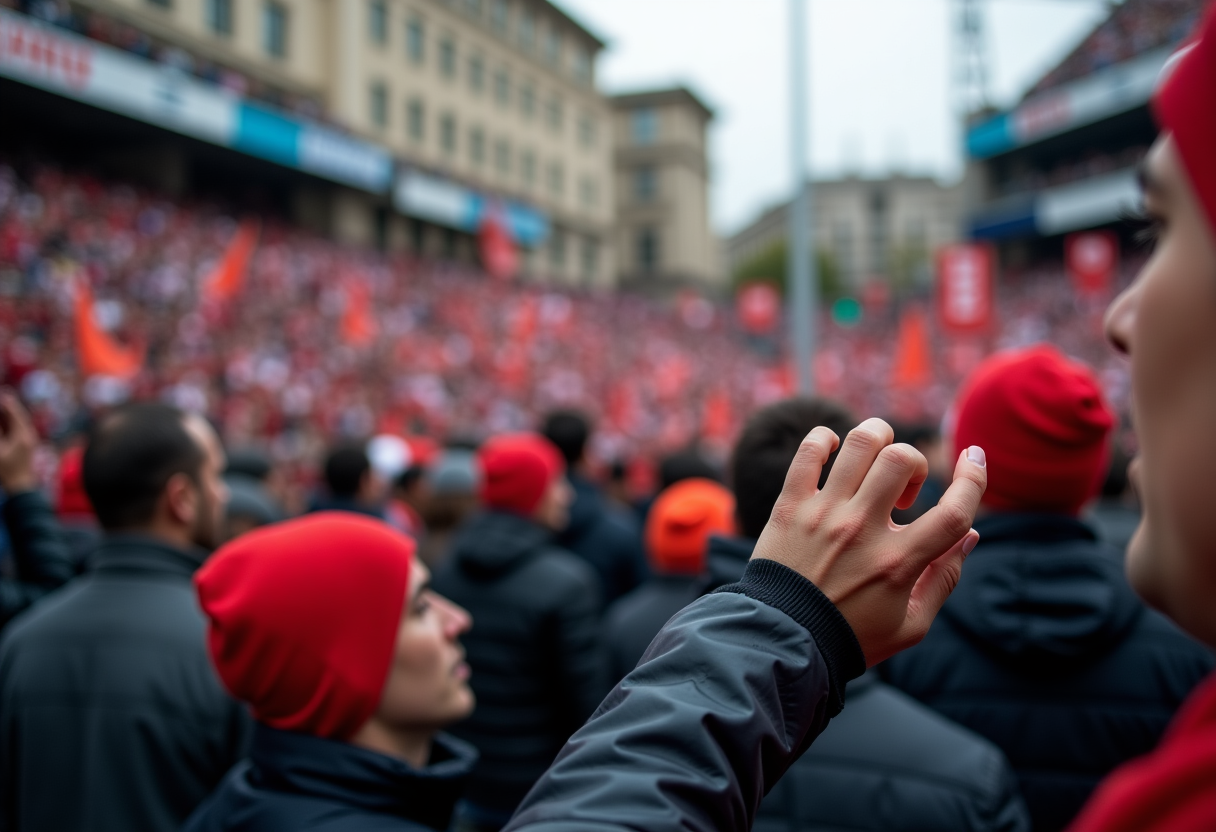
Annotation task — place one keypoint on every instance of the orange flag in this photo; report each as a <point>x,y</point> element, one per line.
<point>912,361</point>
<point>97,352</point>
<point>226,279</point>
<point>358,322</point>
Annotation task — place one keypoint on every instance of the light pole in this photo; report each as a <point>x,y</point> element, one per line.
<point>800,267</point>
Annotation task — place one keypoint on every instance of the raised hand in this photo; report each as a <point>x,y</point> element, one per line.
<point>18,439</point>
<point>889,581</point>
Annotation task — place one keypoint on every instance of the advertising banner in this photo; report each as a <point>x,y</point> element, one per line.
<point>964,287</point>
<point>444,202</point>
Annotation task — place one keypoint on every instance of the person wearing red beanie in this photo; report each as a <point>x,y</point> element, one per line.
<point>1043,612</point>
<point>535,654</point>
<point>681,521</point>
<point>325,626</point>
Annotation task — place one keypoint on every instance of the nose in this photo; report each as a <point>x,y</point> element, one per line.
<point>1121,318</point>
<point>456,619</point>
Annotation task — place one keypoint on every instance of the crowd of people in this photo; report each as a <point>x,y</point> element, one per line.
<point>1133,28</point>
<point>469,625</point>
<point>1095,163</point>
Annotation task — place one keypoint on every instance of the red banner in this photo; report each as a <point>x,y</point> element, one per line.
<point>759,307</point>
<point>226,279</point>
<point>498,253</point>
<point>1092,259</point>
<point>964,287</point>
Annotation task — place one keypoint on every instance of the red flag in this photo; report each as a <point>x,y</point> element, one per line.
<point>964,287</point>
<point>758,306</point>
<point>912,361</point>
<point>1092,258</point>
<point>498,253</point>
<point>718,418</point>
<point>226,279</point>
<point>358,323</point>
<point>97,352</point>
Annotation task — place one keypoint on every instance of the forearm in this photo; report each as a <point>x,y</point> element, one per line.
<point>731,691</point>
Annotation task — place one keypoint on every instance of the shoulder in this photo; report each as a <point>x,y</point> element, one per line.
<point>562,568</point>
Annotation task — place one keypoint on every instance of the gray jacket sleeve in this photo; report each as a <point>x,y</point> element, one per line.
<point>40,553</point>
<point>730,692</point>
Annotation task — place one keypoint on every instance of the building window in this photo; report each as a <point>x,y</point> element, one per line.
<point>557,249</point>
<point>648,250</point>
<point>644,126</point>
<point>588,192</point>
<point>527,30</point>
<point>447,58</point>
<point>553,47</point>
<point>591,258</point>
<point>645,183</point>
<point>379,104</point>
<point>498,16</point>
<point>415,41</point>
<point>580,66</point>
<point>555,113</point>
<point>477,146</point>
<point>502,87</point>
<point>557,179</point>
<point>477,73</point>
<point>527,167</point>
<point>219,16</point>
<point>502,157</point>
<point>586,131</point>
<point>377,21</point>
<point>527,100</point>
<point>274,26</point>
<point>415,117</point>
<point>447,133</point>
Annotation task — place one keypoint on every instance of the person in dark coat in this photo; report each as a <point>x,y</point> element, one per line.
<point>681,520</point>
<point>40,557</point>
<point>1044,648</point>
<point>604,535</point>
<point>538,670</point>
<point>111,717</point>
<point>351,667</point>
<point>350,483</point>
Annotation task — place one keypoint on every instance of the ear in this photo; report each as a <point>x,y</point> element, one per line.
<point>181,500</point>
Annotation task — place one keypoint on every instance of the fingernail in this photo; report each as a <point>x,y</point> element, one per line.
<point>972,538</point>
<point>976,455</point>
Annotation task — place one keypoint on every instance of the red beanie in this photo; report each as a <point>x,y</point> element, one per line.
<point>72,499</point>
<point>304,618</point>
<point>1185,106</point>
<point>1043,424</point>
<point>517,469</point>
<point>681,521</point>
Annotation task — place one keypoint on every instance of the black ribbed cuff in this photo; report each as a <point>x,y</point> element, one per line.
<point>775,584</point>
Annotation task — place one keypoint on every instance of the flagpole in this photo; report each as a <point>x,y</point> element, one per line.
<point>800,267</point>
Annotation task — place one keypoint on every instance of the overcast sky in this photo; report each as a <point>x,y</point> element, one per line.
<point>881,97</point>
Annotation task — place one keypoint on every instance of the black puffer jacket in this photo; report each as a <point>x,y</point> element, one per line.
<point>886,763</point>
<point>294,782</point>
<point>1045,650</point>
<point>41,560</point>
<point>538,669</point>
<point>606,538</point>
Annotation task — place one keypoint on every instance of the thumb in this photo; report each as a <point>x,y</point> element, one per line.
<point>934,586</point>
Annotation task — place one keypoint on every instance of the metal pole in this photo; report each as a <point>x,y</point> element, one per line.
<point>800,267</point>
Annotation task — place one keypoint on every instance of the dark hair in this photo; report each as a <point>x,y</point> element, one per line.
<point>249,462</point>
<point>407,478</point>
<point>685,465</point>
<point>916,434</point>
<point>568,430</point>
<point>766,448</point>
<point>345,468</point>
<point>132,453</point>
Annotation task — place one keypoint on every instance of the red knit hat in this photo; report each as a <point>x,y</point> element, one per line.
<point>1185,106</point>
<point>1043,424</point>
<point>681,521</point>
<point>517,469</point>
<point>72,499</point>
<point>304,617</point>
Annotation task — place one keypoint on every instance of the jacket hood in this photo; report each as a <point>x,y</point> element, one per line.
<point>356,777</point>
<point>726,559</point>
<point>1042,588</point>
<point>493,542</point>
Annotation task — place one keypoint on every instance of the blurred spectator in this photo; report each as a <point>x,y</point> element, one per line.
<point>677,532</point>
<point>250,503</point>
<point>106,691</point>
<point>537,664</point>
<point>357,622</point>
<point>452,482</point>
<point>39,559</point>
<point>1043,647</point>
<point>685,465</point>
<point>72,506</point>
<point>598,532</point>
<point>350,482</point>
<point>885,763</point>
<point>410,495</point>
<point>928,440</point>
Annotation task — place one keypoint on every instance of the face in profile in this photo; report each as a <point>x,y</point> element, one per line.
<point>1165,322</point>
<point>207,529</point>
<point>427,687</point>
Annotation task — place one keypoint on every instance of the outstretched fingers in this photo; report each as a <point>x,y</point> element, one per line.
<point>941,527</point>
<point>861,447</point>
<point>934,586</point>
<point>802,478</point>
